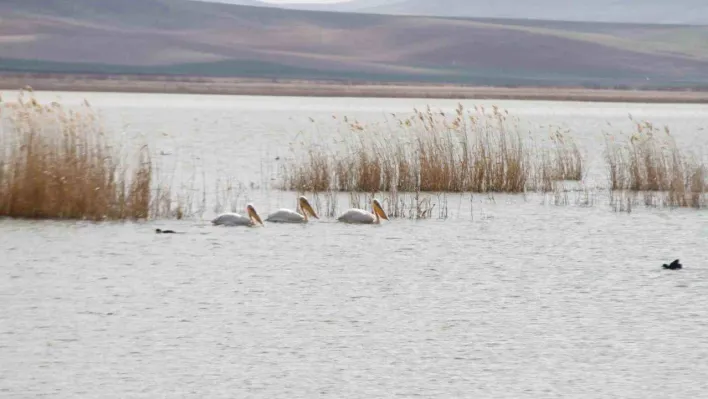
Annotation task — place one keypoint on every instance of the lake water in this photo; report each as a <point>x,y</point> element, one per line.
<point>509,296</point>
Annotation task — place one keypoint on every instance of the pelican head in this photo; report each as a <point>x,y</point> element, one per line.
<point>253,215</point>
<point>378,209</point>
<point>306,207</point>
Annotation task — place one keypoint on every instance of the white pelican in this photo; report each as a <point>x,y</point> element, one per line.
<point>362,216</point>
<point>235,219</point>
<point>289,216</point>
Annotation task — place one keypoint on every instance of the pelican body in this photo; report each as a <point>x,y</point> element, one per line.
<point>235,219</point>
<point>361,216</point>
<point>289,216</point>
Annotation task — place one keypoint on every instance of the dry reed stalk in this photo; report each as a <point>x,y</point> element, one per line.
<point>312,172</point>
<point>650,161</point>
<point>560,160</point>
<point>328,209</point>
<point>469,151</point>
<point>230,195</point>
<point>405,206</point>
<point>57,164</point>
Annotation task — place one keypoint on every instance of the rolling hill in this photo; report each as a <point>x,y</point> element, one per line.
<point>343,6</point>
<point>180,37</point>
<point>618,11</point>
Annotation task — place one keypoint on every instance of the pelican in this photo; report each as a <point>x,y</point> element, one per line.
<point>289,216</point>
<point>235,219</point>
<point>364,217</point>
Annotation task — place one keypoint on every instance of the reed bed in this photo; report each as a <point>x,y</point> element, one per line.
<point>57,164</point>
<point>475,150</point>
<point>651,163</point>
<point>559,159</point>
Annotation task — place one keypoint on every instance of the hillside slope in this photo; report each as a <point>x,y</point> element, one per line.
<point>211,39</point>
<point>343,6</point>
<point>620,11</point>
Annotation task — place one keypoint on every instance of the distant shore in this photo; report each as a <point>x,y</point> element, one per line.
<point>270,87</point>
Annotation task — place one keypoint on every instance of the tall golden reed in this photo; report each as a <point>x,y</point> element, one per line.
<point>57,164</point>
<point>651,162</point>
<point>470,151</point>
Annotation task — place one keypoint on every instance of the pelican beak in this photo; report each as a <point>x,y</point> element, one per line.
<point>379,211</point>
<point>254,215</point>
<point>305,205</point>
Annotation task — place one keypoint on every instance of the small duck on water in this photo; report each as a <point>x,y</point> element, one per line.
<point>675,265</point>
<point>160,231</point>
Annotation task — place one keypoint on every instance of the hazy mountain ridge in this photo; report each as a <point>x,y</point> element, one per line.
<point>346,6</point>
<point>644,11</point>
<point>196,38</point>
<point>619,11</point>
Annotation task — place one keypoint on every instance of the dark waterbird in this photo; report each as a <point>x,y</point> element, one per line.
<point>160,231</point>
<point>675,265</point>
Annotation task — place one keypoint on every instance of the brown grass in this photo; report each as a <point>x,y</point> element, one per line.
<point>650,161</point>
<point>56,164</point>
<point>470,151</point>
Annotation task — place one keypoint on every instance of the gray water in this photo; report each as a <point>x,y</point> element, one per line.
<point>509,296</point>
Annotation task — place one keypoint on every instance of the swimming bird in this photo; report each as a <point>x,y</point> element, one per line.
<point>289,216</point>
<point>235,219</point>
<point>160,231</point>
<point>675,265</point>
<point>363,217</point>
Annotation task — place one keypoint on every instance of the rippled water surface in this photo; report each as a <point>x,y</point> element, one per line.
<point>509,296</point>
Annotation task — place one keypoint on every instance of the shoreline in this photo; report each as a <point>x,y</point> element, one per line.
<point>300,88</point>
